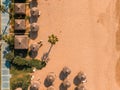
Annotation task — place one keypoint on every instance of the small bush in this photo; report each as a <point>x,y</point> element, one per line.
<point>10,40</point>
<point>21,82</point>
<point>18,61</point>
<point>9,56</point>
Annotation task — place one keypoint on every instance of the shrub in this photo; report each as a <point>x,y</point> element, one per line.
<point>10,40</point>
<point>21,82</point>
<point>9,56</point>
<point>19,61</point>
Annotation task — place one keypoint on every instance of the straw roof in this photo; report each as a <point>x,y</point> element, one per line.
<point>81,76</point>
<point>34,11</point>
<point>21,42</point>
<point>51,77</point>
<point>50,88</point>
<point>20,8</point>
<point>35,85</point>
<point>66,70</point>
<point>34,47</point>
<point>34,27</point>
<point>20,24</point>
<point>66,83</point>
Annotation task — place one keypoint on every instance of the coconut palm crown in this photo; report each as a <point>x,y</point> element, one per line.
<point>52,39</point>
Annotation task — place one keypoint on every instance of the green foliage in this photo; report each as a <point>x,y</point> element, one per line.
<point>27,17</point>
<point>37,63</point>
<point>20,61</point>
<point>28,63</point>
<point>21,82</point>
<point>10,40</point>
<point>10,56</point>
<point>52,39</point>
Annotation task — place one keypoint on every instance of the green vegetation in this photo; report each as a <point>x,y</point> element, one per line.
<point>10,40</point>
<point>19,61</point>
<point>10,56</point>
<point>22,81</point>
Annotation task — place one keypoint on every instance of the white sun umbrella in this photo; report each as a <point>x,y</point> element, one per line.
<point>34,47</point>
<point>34,27</point>
<point>35,85</point>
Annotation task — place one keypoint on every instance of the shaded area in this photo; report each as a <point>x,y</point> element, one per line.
<point>22,53</point>
<point>19,1</point>
<point>76,81</point>
<point>33,19</point>
<point>19,32</point>
<point>117,9</point>
<point>33,54</point>
<point>33,3</point>
<point>33,35</point>
<point>49,79</point>
<point>46,55</point>
<point>62,75</point>
<point>19,16</point>
<point>61,87</point>
<point>47,83</point>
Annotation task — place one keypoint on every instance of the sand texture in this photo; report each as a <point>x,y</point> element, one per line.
<point>89,41</point>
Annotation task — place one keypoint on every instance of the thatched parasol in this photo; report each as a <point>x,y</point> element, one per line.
<point>35,85</point>
<point>50,88</point>
<point>51,77</point>
<point>34,11</point>
<point>82,77</point>
<point>66,83</point>
<point>66,70</point>
<point>34,47</point>
<point>34,27</point>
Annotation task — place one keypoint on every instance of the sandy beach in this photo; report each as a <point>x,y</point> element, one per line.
<point>87,32</point>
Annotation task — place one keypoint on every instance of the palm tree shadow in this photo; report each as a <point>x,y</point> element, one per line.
<point>62,76</point>
<point>61,87</point>
<point>46,83</point>
<point>46,55</point>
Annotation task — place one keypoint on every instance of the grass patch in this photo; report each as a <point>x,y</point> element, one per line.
<point>19,76</point>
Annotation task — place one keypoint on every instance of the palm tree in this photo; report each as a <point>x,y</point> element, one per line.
<point>52,39</point>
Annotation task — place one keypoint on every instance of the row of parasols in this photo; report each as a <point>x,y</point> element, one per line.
<point>79,81</point>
